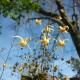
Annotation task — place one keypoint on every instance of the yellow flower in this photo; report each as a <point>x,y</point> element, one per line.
<point>66,78</point>
<point>38,21</point>
<point>20,69</point>
<point>4,65</point>
<point>58,79</point>
<point>23,42</point>
<point>55,68</point>
<point>62,10</point>
<point>45,41</point>
<point>47,29</point>
<point>63,29</point>
<point>61,42</point>
<point>59,17</point>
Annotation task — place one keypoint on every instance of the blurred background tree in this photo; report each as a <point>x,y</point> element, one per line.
<point>76,66</point>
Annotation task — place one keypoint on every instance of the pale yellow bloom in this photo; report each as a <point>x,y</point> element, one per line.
<point>23,42</point>
<point>4,65</point>
<point>47,29</point>
<point>45,41</point>
<point>21,69</point>
<point>61,42</point>
<point>63,29</point>
<point>59,17</point>
<point>62,10</point>
<point>66,78</point>
<point>38,21</point>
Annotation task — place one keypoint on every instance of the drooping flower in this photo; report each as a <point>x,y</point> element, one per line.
<point>63,29</point>
<point>45,41</point>
<point>20,69</point>
<point>38,21</point>
<point>47,29</point>
<point>23,42</point>
<point>62,10</point>
<point>4,65</point>
<point>61,42</point>
<point>59,17</point>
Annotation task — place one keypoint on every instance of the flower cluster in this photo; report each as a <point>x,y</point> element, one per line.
<point>38,64</point>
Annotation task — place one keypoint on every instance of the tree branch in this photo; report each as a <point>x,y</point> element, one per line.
<point>53,19</point>
<point>74,32</point>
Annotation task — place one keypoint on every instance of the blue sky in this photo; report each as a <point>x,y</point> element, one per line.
<point>28,30</point>
<point>6,39</point>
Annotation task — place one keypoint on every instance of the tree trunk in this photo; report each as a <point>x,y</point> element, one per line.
<point>74,32</point>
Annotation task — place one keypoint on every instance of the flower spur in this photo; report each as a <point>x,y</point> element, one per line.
<point>61,43</point>
<point>63,29</point>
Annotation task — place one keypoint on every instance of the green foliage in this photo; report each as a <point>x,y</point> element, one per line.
<point>14,8</point>
<point>76,65</point>
<point>0,26</point>
<point>0,29</point>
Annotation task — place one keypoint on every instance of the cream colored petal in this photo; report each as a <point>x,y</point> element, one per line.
<point>43,31</point>
<point>36,20</point>
<point>49,34</point>
<point>27,39</point>
<point>19,37</point>
<point>61,27</point>
<point>49,38</point>
<point>68,27</point>
<point>66,31</point>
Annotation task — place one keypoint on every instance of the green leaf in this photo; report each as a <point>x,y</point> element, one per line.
<point>0,26</point>
<point>5,14</point>
<point>8,0</point>
<point>13,16</point>
<point>0,32</point>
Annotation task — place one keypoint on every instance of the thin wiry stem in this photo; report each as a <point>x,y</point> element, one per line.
<point>9,54</point>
